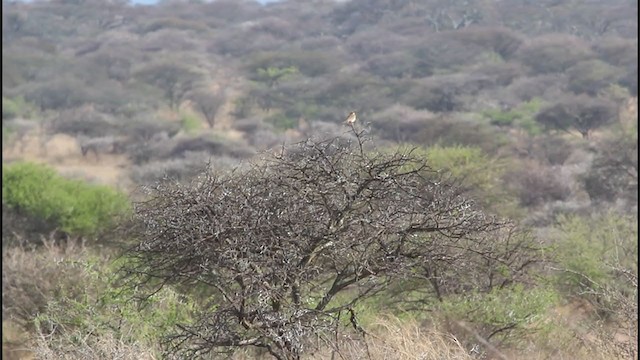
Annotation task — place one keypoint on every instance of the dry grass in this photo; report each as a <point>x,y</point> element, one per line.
<point>32,278</point>
<point>395,339</point>
<point>90,347</point>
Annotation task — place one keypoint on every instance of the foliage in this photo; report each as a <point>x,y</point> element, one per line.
<point>591,76</point>
<point>76,207</point>
<point>522,116</point>
<point>103,308</point>
<point>589,249</point>
<point>175,80</point>
<point>207,104</point>
<point>309,63</point>
<point>10,109</point>
<point>598,261</point>
<point>614,171</point>
<point>479,174</point>
<point>281,121</point>
<point>190,122</point>
<point>504,314</point>
<point>273,75</point>
<point>581,113</point>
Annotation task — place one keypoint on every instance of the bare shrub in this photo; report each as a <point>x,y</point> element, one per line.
<point>81,346</point>
<point>541,86</point>
<point>83,121</point>
<point>219,147</point>
<point>289,245</point>
<point>31,277</point>
<point>401,123</point>
<point>614,171</point>
<point>207,104</point>
<point>502,41</point>
<point>179,169</point>
<point>18,129</point>
<point>102,145</point>
<point>554,53</point>
<point>449,130</point>
<point>535,184</point>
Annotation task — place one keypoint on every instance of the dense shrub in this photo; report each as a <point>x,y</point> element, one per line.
<point>554,53</point>
<point>597,261</point>
<point>535,184</point>
<point>76,207</point>
<point>503,315</point>
<point>581,113</point>
<point>614,171</point>
<point>31,278</point>
<point>10,109</point>
<point>591,76</point>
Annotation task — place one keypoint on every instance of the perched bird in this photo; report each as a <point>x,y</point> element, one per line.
<point>351,118</point>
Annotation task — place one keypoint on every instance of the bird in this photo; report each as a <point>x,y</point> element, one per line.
<point>351,119</point>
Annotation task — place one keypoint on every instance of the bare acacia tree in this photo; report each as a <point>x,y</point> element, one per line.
<point>208,104</point>
<point>581,113</point>
<point>289,244</point>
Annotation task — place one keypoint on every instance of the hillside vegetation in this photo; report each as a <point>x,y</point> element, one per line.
<point>178,181</point>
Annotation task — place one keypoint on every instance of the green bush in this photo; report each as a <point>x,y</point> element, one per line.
<point>504,314</point>
<point>10,109</point>
<point>281,121</point>
<point>480,174</point>
<point>593,252</point>
<point>190,122</point>
<point>522,116</point>
<point>105,309</point>
<point>76,207</point>
<point>271,75</point>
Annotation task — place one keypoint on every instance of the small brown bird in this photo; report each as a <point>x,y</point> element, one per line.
<point>351,118</point>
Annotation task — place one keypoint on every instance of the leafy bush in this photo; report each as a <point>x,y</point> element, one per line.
<point>76,207</point>
<point>481,175</point>
<point>590,249</point>
<point>281,121</point>
<point>522,116</point>
<point>190,122</point>
<point>10,109</point>
<point>309,63</point>
<point>614,171</point>
<point>104,309</point>
<point>591,76</point>
<point>598,261</point>
<point>503,314</point>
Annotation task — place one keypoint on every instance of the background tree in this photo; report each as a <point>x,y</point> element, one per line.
<point>581,113</point>
<point>614,171</point>
<point>207,103</point>
<point>173,79</point>
<point>288,246</point>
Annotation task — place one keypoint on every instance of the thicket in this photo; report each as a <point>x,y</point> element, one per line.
<point>73,206</point>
